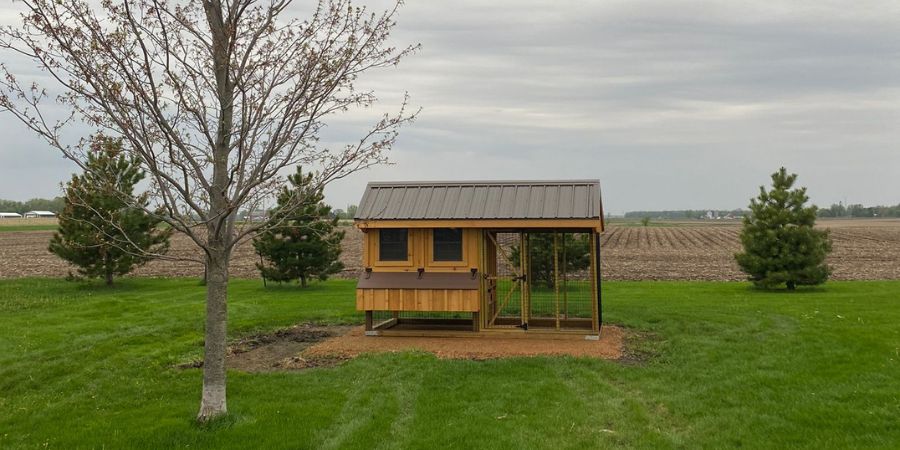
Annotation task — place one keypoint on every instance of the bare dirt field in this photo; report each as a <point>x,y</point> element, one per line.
<point>25,254</point>
<point>864,249</point>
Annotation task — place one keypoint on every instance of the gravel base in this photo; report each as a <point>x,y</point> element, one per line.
<point>354,343</point>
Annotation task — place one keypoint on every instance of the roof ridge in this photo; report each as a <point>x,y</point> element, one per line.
<point>482,182</point>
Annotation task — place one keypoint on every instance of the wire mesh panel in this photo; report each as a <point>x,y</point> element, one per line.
<point>422,320</point>
<point>539,279</point>
<point>560,283</point>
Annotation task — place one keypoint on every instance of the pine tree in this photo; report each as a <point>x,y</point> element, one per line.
<point>781,245</point>
<point>103,229</point>
<point>304,243</point>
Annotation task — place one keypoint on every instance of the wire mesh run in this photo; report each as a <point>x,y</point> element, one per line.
<point>540,280</point>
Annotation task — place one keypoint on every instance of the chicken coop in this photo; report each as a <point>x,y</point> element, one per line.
<point>481,258</point>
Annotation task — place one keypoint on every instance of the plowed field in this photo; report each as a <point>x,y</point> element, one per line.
<point>25,254</point>
<point>863,250</point>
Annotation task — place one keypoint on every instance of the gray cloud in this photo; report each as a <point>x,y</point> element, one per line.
<point>686,104</point>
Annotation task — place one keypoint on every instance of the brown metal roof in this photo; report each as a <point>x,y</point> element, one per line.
<point>403,200</point>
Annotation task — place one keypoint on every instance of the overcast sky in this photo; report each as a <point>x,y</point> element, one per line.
<point>671,104</point>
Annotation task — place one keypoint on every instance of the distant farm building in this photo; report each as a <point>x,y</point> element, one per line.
<point>492,257</point>
<point>256,216</point>
<point>39,214</point>
<point>9,215</point>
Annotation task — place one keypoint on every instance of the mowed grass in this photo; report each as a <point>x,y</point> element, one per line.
<point>6,227</point>
<point>723,366</point>
<point>30,224</point>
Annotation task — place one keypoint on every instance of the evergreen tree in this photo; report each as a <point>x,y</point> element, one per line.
<point>103,228</point>
<point>303,243</point>
<point>781,245</point>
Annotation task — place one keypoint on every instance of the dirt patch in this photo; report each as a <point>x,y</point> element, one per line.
<point>306,346</point>
<point>354,343</point>
<point>281,350</point>
<point>639,347</point>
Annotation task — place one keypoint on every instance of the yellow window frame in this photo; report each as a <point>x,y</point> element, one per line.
<point>429,251</point>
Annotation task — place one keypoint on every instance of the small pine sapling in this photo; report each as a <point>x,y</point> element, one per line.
<point>104,229</point>
<point>303,242</point>
<point>781,245</point>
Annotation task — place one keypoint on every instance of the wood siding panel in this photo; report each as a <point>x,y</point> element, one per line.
<point>424,301</point>
<point>394,300</point>
<point>459,300</point>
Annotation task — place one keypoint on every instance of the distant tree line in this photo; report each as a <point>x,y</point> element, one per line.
<point>858,210</point>
<point>262,215</point>
<point>54,205</point>
<point>835,210</point>
<point>347,214</point>
<point>683,213</point>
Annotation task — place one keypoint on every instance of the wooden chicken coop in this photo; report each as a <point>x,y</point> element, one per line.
<point>476,258</point>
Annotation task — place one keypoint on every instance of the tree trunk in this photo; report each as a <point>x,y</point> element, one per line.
<point>791,285</point>
<point>213,404</point>
<point>302,281</point>
<point>108,269</point>
<point>221,224</point>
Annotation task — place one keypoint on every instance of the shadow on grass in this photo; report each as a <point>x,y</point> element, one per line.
<point>821,289</point>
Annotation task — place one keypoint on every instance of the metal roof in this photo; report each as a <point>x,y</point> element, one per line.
<point>402,200</point>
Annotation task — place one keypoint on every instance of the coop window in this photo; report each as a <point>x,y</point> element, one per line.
<point>392,244</point>
<point>447,244</point>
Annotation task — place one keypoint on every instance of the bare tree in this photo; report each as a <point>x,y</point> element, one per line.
<point>215,98</point>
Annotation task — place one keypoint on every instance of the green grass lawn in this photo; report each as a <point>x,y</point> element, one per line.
<point>726,366</point>
<point>39,227</point>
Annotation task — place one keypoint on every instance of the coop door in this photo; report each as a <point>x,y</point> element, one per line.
<point>506,291</point>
